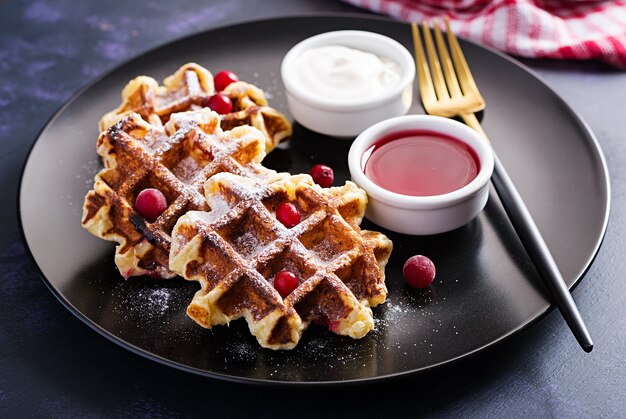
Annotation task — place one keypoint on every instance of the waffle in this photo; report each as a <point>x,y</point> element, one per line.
<point>189,89</point>
<point>176,159</point>
<point>236,250</point>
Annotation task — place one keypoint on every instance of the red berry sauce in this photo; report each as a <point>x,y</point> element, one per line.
<point>420,163</point>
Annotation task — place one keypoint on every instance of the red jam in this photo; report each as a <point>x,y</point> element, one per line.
<point>420,163</point>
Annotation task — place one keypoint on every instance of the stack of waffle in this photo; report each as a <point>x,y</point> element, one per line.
<point>220,226</point>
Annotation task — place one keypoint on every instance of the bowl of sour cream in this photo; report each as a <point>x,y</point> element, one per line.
<point>339,83</point>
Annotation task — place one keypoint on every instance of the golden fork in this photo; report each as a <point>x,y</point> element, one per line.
<point>447,89</point>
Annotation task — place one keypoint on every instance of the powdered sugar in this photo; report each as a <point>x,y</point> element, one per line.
<point>186,169</point>
<point>247,244</point>
<point>149,300</point>
<point>158,300</point>
<point>324,251</point>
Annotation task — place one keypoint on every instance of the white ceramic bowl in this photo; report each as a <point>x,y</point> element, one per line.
<point>338,118</point>
<point>423,215</point>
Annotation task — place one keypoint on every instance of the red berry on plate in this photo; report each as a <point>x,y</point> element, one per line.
<point>223,79</point>
<point>285,282</point>
<point>419,271</point>
<point>288,214</point>
<point>220,103</point>
<point>150,203</point>
<point>322,175</point>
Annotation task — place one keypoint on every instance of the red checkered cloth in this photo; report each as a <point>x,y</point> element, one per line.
<point>567,29</point>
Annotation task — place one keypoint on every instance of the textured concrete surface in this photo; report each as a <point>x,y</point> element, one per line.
<point>52,365</point>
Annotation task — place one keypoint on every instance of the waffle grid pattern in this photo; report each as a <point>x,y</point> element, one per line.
<point>220,228</point>
<point>340,275</point>
<point>189,89</point>
<point>177,160</point>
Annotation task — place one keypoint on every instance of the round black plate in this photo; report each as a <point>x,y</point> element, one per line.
<point>486,288</point>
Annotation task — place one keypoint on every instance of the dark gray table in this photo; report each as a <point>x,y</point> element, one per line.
<point>52,365</point>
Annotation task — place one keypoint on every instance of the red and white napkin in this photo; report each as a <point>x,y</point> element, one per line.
<point>566,29</point>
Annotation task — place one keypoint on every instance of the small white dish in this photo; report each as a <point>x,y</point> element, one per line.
<point>341,118</point>
<point>423,215</point>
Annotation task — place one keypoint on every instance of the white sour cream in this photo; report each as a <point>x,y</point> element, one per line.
<point>345,74</point>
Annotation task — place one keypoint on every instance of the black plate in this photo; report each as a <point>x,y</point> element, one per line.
<point>486,288</point>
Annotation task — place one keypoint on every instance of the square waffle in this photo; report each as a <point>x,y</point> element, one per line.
<point>176,159</point>
<point>189,88</point>
<point>236,250</point>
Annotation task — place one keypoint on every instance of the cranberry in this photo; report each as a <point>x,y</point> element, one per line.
<point>285,282</point>
<point>150,203</point>
<point>288,214</point>
<point>322,175</point>
<point>223,79</point>
<point>220,103</point>
<point>419,271</point>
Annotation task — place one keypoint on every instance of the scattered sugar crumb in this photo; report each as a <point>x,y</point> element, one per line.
<point>159,300</point>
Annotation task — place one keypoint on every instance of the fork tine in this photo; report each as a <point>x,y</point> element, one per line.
<point>435,66</point>
<point>462,69</point>
<point>446,64</point>
<point>423,74</point>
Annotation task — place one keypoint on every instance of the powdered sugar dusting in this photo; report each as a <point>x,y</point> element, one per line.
<point>324,251</point>
<point>88,170</point>
<point>242,350</point>
<point>158,300</point>
<point>186,169</point>
<point>147,302</point>
<point>247,244</point>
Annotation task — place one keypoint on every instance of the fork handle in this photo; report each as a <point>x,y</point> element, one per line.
<point>535,245</point>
